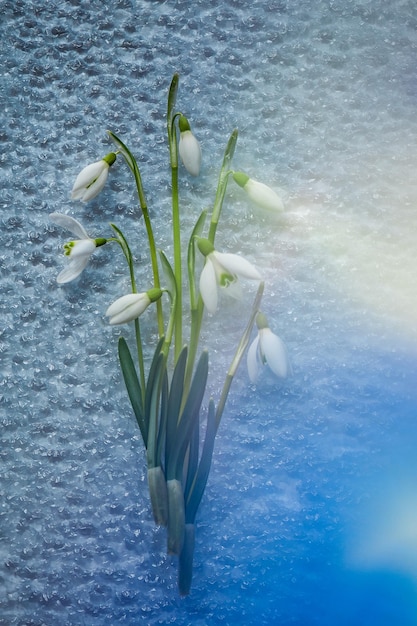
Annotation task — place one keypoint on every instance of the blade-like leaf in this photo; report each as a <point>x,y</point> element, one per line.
<point>172,96</point>
<point>153,415</point>
<point>174,407</point>
<point>222,184</point>
<point>189,416</point>
<point>124,150</point>
<point>199,484</point>
<point>192,458</point>
<point>163,417</point>
<point>133,387</point>
<point>152,376</point>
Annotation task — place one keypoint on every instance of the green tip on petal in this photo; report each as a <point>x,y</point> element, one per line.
<point>183,124</point>
<point>261,321</point>
<point>110,158</point>
<point>205,246</point>
<point>154,294</point>
<point>240,178</point>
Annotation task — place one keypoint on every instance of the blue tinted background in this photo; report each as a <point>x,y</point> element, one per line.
<point>310,512</point>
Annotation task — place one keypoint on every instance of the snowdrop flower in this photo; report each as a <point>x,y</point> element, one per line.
<point>129,307</point>
<point>221,269</point>
<point>78,251</point>
<point>261,194</point>
<point>267,349</point>
<point>91,180</point>
<point>189,148</point>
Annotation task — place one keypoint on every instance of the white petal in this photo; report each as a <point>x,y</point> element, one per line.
<point>93,190</point>
<point>233,290</point>
<point>127,308</point>
<point>208,286</point>
<point>190,152</point>
<point>264,196</point>
<point>73,270</point>
<point>82,248</point>
<point>87,176</point>
<point>236,264</point>
<point>252,360</point>
<point>274,352</point>
<point>70,224</point>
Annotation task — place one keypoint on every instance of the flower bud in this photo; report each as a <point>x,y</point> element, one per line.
<point>261,194</point>
<point>189,148</point>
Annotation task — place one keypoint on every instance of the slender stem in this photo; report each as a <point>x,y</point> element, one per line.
<point>122,241</point>
<point>238,354</point>
<point>133,166</point>
<point>152,246</point>
<point>197,308</point>
<point>140,355</point>
<point>176,228</point>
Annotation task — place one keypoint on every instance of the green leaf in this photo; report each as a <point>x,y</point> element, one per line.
<point>169,273</point>
<point>124,150</point>
<point>163,417</point>
<point>153,412</point>
<point>152,376</point>
<point>222,184</point>
<point>133,387</point>
<point>189,417</point>
<point>195,494</point>
<point>172,96</point>
<point>174,408</point>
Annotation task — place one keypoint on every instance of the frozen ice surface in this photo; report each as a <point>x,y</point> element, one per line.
<point>291,528</point>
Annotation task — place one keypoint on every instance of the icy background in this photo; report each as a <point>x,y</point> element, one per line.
<point>310,513</point>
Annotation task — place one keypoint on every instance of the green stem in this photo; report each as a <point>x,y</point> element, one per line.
<point>197,308</point>
<point>122,241</point>
<point>238,354</point>
<point>222,184</point>
<point>131,161</point>
<point>176,228</point>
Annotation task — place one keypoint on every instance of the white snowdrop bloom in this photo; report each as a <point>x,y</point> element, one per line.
<point>79,251</point>
<point>260,194</point>
<point>267,349</point>
<point>222,269</point>
<point>129,307</point>
<point>189,148</point>
<point>91,180</point>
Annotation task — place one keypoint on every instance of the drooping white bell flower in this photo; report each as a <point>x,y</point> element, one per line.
<point>78,251</point>
<point>129,307</point>
<point>189,148</point>
<point>267,349</point>
<point>222,269</point>
<point>261,194</point>
<point>91,180</point>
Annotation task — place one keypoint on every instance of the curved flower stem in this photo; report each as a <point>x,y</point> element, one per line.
<point>133,166</point>
<point>122,241</point>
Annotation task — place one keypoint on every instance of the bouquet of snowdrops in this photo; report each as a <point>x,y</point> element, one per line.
<point>167,395</point>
